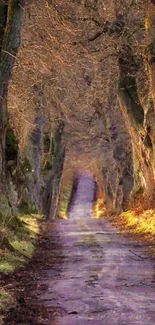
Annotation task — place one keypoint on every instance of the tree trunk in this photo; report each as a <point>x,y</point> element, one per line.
<point>11,18</point>
<point>52,192</point>
<point>134,117</point>
<point>150,50</point>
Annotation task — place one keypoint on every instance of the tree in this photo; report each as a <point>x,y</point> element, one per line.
<point>11,20</point>
<point>84,60</point>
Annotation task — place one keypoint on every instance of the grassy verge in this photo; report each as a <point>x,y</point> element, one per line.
<point>22,240</point>
<point>142,224</point>
<point>137,222</point>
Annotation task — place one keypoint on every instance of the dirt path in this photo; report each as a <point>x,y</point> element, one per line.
<point>89,274</point>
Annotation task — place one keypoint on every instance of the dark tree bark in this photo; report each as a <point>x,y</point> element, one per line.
<point>11,19</point>
<point>3,20</point>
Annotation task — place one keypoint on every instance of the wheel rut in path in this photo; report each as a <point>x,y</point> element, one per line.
<point>93,275</point>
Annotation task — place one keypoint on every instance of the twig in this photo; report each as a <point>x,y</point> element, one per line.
<point>142,257</point>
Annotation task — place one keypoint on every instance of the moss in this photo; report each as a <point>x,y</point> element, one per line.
<point>6,217</point>
<point>6,299</point>
<point>25,247</point>
<point>23,241</point>
<point>5,209</point>
<point>65,199</point>
<point>9,261</point>
<point>25,208</point>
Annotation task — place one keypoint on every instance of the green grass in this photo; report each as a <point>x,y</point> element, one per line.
<point>22,236</point>
<point>9,261</point>
<point>6,301</point>
<point>24,247</point>
<point>22,240</point>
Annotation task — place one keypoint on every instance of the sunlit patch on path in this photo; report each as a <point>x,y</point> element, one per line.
<point>101,279</point>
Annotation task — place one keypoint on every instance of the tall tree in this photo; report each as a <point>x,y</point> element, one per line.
<point>11,19</point>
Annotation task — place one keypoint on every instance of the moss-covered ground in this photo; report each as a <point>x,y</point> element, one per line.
<point>6,300</point>
<point>22,240</point>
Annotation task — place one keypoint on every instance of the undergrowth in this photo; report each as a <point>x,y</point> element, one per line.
<point>22,240</point>
<point>138,220</point>
<point>6,300</point>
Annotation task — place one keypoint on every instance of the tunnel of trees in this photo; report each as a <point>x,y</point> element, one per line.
<point>76,79</point>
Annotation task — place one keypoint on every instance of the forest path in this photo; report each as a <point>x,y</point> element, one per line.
<point>85,273</point>
<point>103,278</point>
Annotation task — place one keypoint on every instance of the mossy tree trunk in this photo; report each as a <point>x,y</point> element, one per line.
<point>52,191</point>
<point>11,19</point>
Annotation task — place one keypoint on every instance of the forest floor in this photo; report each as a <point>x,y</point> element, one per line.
<point>84,271</point>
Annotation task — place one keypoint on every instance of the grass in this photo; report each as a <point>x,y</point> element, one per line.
<point>9,261</point>
<point>143,223</point>
<point>22,240</point>
<point>6,301</point>
<point>5,297</point>
<point>139,220</point>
